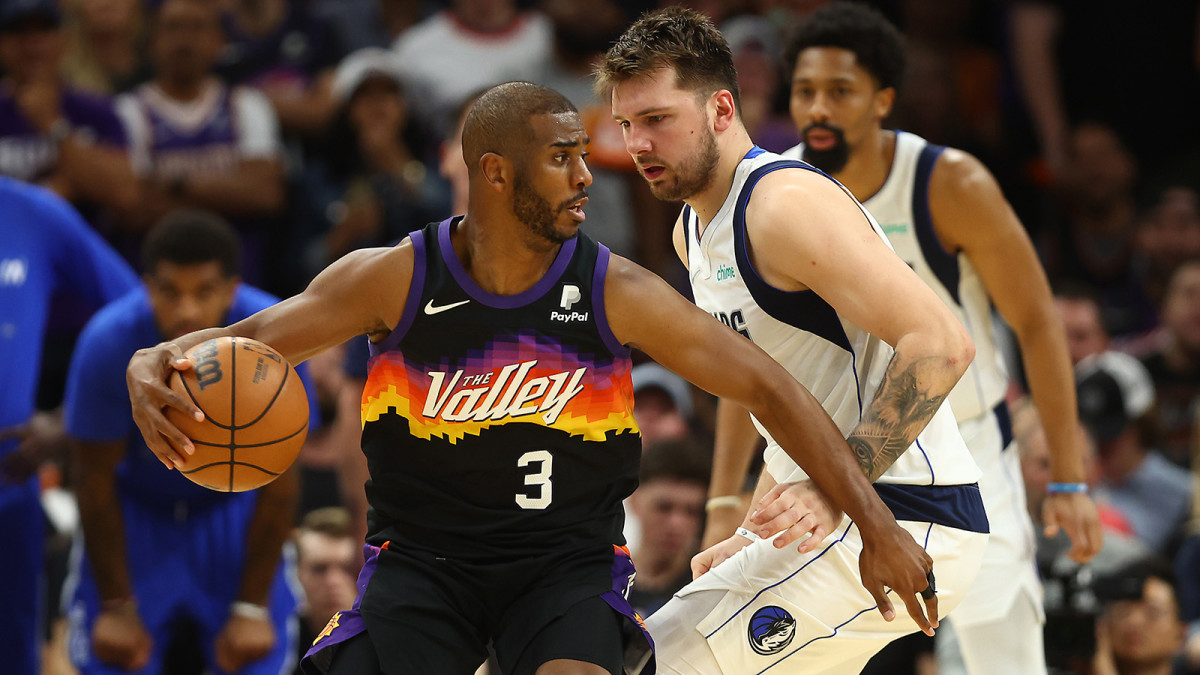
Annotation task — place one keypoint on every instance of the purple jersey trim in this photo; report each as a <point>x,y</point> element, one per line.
<point>346,623</point>
<point>602,326</point>
<point>412,304</point>
<point>623,574</point>
<point>502,301</point>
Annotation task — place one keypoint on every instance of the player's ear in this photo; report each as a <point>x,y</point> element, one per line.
<point>723,110</point>
<point>884,100</point>
<point>497,171</point>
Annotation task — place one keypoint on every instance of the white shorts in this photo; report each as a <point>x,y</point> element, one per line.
<point>1009,569</point>
<point>774,609</point>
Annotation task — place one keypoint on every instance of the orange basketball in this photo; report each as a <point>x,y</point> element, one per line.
<point>255,414</point>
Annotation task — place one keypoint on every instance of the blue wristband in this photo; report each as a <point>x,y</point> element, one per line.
<point>1059,488</point>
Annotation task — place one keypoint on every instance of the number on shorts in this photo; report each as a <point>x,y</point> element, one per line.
<point>541,479</point>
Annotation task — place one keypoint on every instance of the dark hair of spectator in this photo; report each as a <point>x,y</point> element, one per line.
<point>341,149</point>
<point>192,237</point>
<point>675,37</point>
<point>678,459</point>
<point>877,45</point>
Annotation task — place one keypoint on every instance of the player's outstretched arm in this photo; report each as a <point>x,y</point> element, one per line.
<point>644,312</point>
<point>364,292</point>
<point>970,214</point>
<point>835,252</point>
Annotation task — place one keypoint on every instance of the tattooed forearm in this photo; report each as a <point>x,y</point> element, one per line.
<point>908,396</point>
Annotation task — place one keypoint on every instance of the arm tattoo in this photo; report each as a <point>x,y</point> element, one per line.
<point>903,405</point>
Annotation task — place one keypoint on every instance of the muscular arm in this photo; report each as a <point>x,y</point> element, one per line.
<point>100,516</point>
<point>794,418</point>
<point>1034,29</point>
<point>270,526</point>
<point>835,253</point>
<point>970,214</point>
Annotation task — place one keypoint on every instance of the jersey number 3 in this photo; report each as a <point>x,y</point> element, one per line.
<point>540,479</point>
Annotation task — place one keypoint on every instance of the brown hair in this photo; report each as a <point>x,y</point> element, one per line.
<point>677,38</point>
<point>331,521</point>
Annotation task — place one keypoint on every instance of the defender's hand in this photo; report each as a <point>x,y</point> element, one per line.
<point>715,555</point>
<point>243,640</point>
<point>895,560</point>
<point>1074,513</point>
<point>146,376</point>
<point>796,509</point>
<point>119,637</point>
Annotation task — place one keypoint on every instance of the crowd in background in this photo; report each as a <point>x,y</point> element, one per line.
<point>316,127</point>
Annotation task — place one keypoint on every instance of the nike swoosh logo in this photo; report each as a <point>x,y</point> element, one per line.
<point>430,309</point>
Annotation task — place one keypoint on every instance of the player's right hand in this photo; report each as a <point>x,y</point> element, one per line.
<point>716,554</point>
<point>892,558</point>
<point>793,510</point>
<point>119,638</point>
<point>146,376</point>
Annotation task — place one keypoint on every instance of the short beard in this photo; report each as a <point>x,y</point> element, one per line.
<point>535,211</point>
<point>830,161</point>
<point>692,177</point>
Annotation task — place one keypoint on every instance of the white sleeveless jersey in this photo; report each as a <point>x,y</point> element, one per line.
<point>841,364</point>
<point>901,207</point>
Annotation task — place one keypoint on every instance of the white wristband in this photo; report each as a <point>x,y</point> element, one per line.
<point>743,532</point>
<point>725,501</point>
<point>249,610</point>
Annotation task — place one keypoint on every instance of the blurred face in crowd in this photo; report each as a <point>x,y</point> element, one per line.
<point>551,178</point>
<point>109,15</point>
<point>1170,234</point>
<point>657,416</point>
<point>1147,631</point>
<point>327,568</point>
<point>836,105</point>
<point>1099,169</point>
<point>377,102</point>
<point>187,298</point>
<point>1085,330</point>
<point>668,134</point>
<point>187,39</point>
<point>32,49</point>
<point>670,512</point>
<point>1181,307</point>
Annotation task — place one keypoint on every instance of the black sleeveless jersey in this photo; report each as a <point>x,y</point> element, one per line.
<point>498,427</point>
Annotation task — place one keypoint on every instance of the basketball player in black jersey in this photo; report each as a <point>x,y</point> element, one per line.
<point>498,419</point>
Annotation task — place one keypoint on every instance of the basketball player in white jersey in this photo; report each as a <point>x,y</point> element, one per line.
<point>786,257</point>
<point>946,217</point>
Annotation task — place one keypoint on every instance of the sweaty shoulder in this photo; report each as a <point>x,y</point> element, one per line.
<point>961,192</point>
<point>379,278</point>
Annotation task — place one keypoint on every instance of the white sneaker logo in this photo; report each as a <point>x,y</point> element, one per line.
<point>431,310</point>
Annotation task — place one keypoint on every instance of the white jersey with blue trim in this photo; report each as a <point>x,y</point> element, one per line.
<point>901,207</point>
<point>840,363</point>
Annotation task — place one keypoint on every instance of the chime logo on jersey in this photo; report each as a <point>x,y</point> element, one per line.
<point>508,394</point>
<point>771,629</point>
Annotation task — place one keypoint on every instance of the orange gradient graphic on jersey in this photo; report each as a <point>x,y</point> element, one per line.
<point>548,388</point>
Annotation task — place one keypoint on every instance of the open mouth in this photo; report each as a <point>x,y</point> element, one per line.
<point>576,209</point>
<point>652,172</point>
<point>819,139</point>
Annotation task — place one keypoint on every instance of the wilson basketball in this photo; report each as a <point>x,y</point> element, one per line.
<point>255,414</point>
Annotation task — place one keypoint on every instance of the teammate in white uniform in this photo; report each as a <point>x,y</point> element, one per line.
<point>946,217</point>
<point>786,257</point>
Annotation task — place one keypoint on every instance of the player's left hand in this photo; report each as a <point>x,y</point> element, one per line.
<point>892,558</point>
<point>40,439</point>
<point>1074,513</point>
<point>794,510</point>
<point>243,640</point>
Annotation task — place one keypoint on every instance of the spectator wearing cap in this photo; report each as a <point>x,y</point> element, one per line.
<point>371,187</point>
<point>51,134</point>
<point>196,141</point>
<point>1079,309</point>
<point>1116,400</point>
<point>662,403</point>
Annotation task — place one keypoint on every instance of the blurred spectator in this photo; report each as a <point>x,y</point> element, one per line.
<point>755,44</point>
<point>321,455</point>
<point>1116,400</point>
<point>1168,235</point>
<point>45,247</point>
<point>471,45</point>
<point>105,45</point>
<point>371,23</point>
<point>197,142</point>
<point>1175,365</point>
<point>328,558</point>
<point>371,187</point>
<point>279,47</point>
<point>662,403</point>
<point>1079,311</point>
<point>159,552</point>
<point>1093,240</point>
<point>1139,631</point>
<point>669,507</point>
<point>50,133</point>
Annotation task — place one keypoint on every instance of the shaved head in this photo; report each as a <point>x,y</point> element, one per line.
<point>500,120</point>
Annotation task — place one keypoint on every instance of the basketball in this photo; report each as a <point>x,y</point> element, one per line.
<point>255,414</point>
